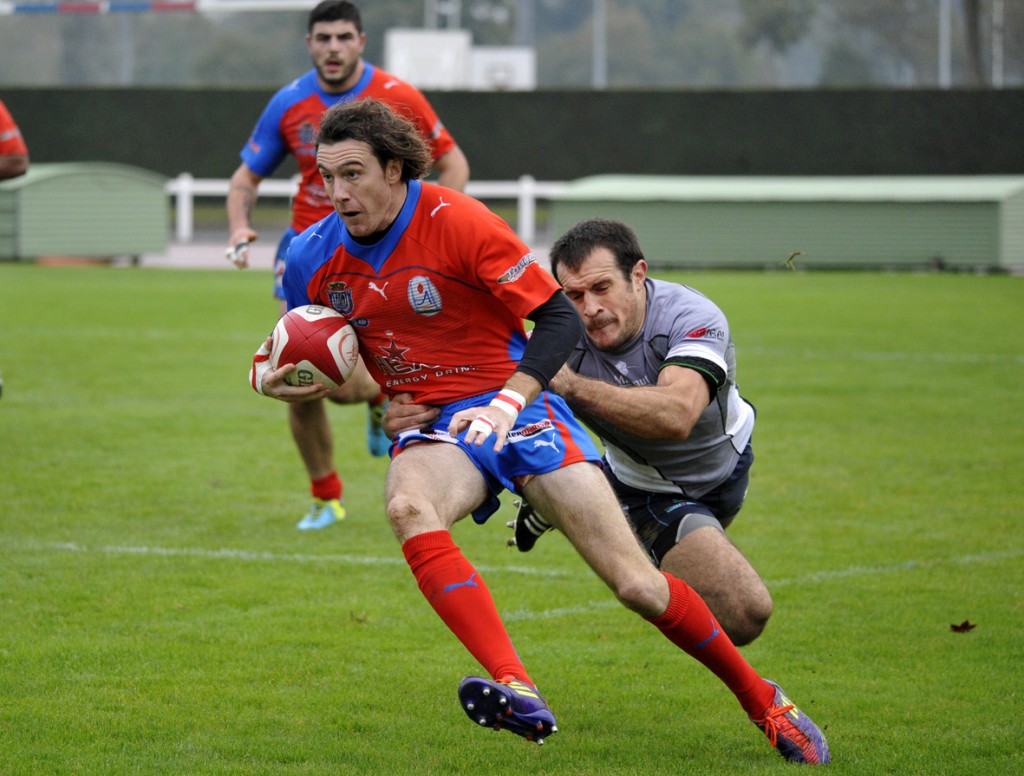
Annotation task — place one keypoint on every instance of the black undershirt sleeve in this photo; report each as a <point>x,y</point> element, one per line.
<point>712,373</point>
<point>556,330</point>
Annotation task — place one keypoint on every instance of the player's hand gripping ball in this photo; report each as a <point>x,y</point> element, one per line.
<point>319,341</point>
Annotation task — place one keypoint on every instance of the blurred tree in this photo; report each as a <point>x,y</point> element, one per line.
<point>231,55</point>
<point>777,23</point>
<point>90,48</point>
<point>846,64</point>
<point>710,55</point>
<point>555,17</point>
<point>23,57</point>
<point>662,43</point>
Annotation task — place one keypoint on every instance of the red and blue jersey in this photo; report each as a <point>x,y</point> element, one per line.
<point>291,120</point>
<point>438,302</point>
<point>11,141</point>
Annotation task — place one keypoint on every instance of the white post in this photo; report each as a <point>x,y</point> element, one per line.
<point>997,44</point>
<point>527,204</point>
<point>945,43</point>
<point>183,215</point>
<point>600,52</point>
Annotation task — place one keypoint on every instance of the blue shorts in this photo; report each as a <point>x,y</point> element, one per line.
<point>661,520</point>
<point>546,437</point>
<point>279,257</point>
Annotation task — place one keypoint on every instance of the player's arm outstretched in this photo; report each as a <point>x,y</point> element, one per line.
<point>498,417</point>
<point>667,410</point>
<point>242,194</point>
<point>557,329</point>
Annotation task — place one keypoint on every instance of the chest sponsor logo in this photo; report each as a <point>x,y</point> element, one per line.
<point>424,297</point>
<point>705,332</point>
<point>512,274</point>
<point>340,296</point>
<point>399,370</point>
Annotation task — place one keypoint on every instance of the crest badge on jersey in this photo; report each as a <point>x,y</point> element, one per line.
<point>424,296</point>
<point>307,133</point>
<point>340,296</point>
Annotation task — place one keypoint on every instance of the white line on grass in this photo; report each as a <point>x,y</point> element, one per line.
<point>898,356</point>
<point>250,555</point>
<point>818,576</point>
<point>518,614</point>
<point>910,565</point>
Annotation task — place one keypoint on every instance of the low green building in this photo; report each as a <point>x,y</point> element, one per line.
<point>83,209</point>
<point>840,222</point>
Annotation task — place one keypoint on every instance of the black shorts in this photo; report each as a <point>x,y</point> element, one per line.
<point>660,520</point>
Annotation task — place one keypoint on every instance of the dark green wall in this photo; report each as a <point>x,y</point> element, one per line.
<point>566,135</point>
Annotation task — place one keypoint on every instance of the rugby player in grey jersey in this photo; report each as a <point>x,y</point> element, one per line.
<point>655,378</point>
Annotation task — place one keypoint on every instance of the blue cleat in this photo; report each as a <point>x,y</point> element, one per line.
<point>376,440</point>
<point>795,735</point>
<point>322,514</point>
<point>529,527</point>
<point>507,705</point>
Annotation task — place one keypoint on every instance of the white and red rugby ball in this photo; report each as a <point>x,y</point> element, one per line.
<point>319,341</point>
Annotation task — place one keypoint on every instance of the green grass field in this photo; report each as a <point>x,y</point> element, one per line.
<point>159,613</point>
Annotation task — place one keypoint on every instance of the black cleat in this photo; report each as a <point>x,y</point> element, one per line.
<point>529,527</point>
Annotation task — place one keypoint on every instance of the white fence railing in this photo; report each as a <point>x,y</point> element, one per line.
<point>525,190</point>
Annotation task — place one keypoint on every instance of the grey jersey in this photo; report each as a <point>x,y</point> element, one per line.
<point>685,328</point>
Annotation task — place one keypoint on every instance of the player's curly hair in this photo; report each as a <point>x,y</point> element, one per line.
<point>389,135</point>
<point>335,11</point>
<point>575,245</point>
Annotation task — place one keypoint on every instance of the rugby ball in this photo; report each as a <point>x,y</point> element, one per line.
<point>319,341</point>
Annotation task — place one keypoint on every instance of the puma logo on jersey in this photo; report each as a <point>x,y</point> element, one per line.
<point>544,443</point>
<point>379,289</point>
<point>443,204</point>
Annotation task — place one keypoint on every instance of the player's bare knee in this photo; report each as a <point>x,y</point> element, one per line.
<point>641,593</point>
<point>404,512</point>
<point>750,619</point>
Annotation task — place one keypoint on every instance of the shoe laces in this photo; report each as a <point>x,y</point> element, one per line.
<point>777,721</point>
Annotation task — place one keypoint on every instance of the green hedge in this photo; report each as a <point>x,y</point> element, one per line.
<point>562,135</point>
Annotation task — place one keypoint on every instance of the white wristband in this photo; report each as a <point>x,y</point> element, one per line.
<point>510,402</point>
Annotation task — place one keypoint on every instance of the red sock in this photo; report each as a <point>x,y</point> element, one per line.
<point>327,488</point>
<point>460,598</point>
<point>689,624</point>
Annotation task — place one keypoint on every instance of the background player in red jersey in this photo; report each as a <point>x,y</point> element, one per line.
<point>13,151</point>
<point>450,332</point>
<point>13,157</point>
<point>288,125</point>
